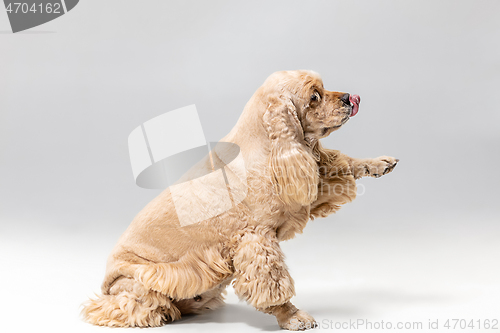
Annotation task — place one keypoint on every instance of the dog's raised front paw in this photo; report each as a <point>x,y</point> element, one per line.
<point>299,321</point>
<point>381,166</point>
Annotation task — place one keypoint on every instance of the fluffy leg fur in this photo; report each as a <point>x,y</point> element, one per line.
<point>336,185</point>
<point>261,276</point>
<point>193,274</point>
<point>130,304</point>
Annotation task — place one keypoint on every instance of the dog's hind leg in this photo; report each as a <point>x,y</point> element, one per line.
<point>193,274</point>
<point>262,279</point>
<point>130,304</point>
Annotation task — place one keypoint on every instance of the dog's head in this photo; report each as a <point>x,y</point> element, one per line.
<point>319,111</point>
<point>299,112</point>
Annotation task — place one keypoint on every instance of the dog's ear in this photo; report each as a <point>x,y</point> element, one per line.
<point>294,171</point>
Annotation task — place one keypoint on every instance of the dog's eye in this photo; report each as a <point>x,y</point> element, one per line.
<point>314,97</point>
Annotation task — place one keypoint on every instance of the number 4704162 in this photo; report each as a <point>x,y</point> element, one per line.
<point>479,324</point>
<point>20,7</point>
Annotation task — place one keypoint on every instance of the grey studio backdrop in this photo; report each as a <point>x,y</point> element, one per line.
<point>419,245</point>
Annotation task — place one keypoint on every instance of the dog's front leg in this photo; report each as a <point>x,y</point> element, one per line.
<point>371,167</point>
<point>262,279</point>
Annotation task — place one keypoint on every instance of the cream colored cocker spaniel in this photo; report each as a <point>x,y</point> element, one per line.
<point>161,269</point>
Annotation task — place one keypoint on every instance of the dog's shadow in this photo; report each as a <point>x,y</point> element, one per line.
<point>232,314</point>
<point>348,304</point>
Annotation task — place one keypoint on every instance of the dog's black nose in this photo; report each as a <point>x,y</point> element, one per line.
<point>345,99</point>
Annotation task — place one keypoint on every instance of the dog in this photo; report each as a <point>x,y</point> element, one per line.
<point>161,269</point>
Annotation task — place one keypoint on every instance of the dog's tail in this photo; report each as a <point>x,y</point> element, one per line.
<point>128,309</point>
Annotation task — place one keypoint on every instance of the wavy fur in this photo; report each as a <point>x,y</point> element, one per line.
<point>162,268</point>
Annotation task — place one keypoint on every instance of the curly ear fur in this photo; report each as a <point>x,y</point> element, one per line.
<point>294,171</point>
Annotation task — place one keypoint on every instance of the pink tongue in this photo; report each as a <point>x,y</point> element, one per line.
<point>354,99</point>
